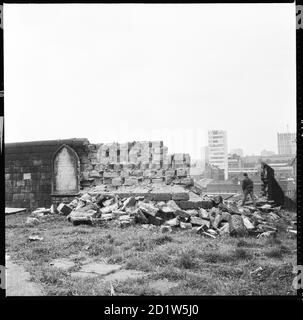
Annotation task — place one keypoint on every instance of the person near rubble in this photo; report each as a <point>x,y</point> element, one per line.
<point>248,189</point>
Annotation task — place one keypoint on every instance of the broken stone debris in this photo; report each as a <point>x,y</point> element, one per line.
<point>35,238</point>
<point>31,221</point>
<point>225,217</point>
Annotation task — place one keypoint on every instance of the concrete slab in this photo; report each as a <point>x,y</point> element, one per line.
<point>96,269</point>
<point>18,281</point>
<point>14,210</point>
<point>62,263</point>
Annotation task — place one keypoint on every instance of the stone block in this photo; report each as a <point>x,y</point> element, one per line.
<point>85,175</point>
<point>124,173</point>
<point>137,173</point>
<point>107,181</point>
<point>116,182</point>
<point>183,214</point>
<point>160,196</point>
<point>20,183</point>
<point>130,181</point>
<point>236,226</point>
<point>169,180</point>
<point>94,174</point>
<point>180,196</point>
<point>64,209</point>
<point>157,180</point>
<point>110,174</point>
<point>170,173</point>
<point>187,181</point>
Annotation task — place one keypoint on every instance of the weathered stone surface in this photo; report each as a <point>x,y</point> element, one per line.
<point>170,173</point>
<point>31,221</point>
<point>183,214</point>
<point>248,225</point>
<point>224,229</point>
<point>64,209</point>
<point>110,209</point>
<point>96,269</point>
<point>217,220</point>
<point>185,225</point>
<point>161,196</point>
<point>157,221</point>
<point>82,217</point>
<point>236,226</point>
<point>196,221</point>
<point>116,182</point>
<point>203,214</point>
<point>140,218</point>
<point>130,181</point>
<point>225,216</point>
<point>165,215</point>
<point>187,181</point>
<point>62,263</point>
<point>110,174</point>
<point>180,196</point>
<point>129,202</point>
<point>173,222</point>
<point>148,208</point>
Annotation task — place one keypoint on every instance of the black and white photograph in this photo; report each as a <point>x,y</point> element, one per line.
<point>150,150</point>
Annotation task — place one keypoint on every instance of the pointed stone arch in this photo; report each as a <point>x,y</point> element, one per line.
<point>65,171</point>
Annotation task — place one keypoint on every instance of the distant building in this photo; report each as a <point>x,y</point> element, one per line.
<point>234,161</point>
<point>237,151</point>
<point>213,172</point>
<point>196,172</point>
<point>204,156</point>
<point>226,188</point>
<point>287,143</point>
<point>217,150</point>
<point>266,153</point>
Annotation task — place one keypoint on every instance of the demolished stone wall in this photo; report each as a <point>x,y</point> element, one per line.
<point>132,163</point>
<point>29,168</point>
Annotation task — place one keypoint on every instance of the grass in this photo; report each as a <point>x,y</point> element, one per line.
<point>194,264</point>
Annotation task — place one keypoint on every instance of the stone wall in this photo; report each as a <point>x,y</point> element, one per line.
<point>28,170</point>
<point>33,169</point>
<point>133,163</point>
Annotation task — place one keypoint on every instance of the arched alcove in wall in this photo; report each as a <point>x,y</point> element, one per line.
<point>65,179</point>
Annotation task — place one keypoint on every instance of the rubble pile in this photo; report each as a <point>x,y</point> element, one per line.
<point>225,217</point>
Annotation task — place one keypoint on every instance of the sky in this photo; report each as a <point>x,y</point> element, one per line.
<point>117,73</point>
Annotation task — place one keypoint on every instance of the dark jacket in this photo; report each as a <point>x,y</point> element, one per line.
<point>247,184</point>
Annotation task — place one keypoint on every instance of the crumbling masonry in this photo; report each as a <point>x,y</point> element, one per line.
<point>41,172</point>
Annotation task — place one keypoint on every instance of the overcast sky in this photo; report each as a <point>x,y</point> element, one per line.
<point>150,72</point>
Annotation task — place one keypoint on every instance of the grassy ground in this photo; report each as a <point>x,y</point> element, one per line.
<point>197,265</point>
